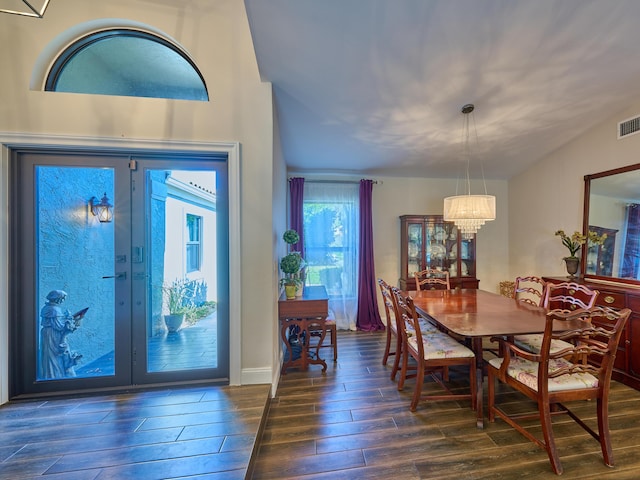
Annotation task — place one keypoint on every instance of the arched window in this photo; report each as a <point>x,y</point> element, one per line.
<point>127,62</point>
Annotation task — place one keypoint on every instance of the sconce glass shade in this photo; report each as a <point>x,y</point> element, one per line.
<point>27,8</point>
<point>469,212</point>
<point>102,210</point>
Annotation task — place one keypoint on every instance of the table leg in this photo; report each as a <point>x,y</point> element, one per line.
<point>317,324</point>
<point>477,349</point>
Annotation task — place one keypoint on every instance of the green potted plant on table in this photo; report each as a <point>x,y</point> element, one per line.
<point>293,278</point>
<point>290,266</point>
<point>573,244</point>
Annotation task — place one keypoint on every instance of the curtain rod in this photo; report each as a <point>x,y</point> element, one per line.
<point>336,181</point>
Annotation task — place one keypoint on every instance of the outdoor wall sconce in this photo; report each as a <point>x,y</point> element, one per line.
<point>103,210</point>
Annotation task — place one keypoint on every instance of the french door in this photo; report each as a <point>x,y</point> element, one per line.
<point>108,251</point>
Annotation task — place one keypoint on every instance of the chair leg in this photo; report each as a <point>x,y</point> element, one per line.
<point>398,357</point>
<point>405,365</point>
<point>417,391</point>
<point>603,431</point>
<point>334,341</point>
<point>547,433</point>
<point>387,347</point>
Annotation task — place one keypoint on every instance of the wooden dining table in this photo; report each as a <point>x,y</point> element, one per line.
<point>476,314</point>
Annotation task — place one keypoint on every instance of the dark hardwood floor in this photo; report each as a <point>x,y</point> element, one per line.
<point>352,423</point>
<point>203,432</point>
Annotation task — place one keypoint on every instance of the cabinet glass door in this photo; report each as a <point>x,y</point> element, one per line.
<point>415,248</point>
<point>467,257</point>
<point>436,250</point>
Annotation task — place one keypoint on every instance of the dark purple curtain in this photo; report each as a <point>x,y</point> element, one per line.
<point>296,197</point>
<point>368,317</point>
<point>631,253</point>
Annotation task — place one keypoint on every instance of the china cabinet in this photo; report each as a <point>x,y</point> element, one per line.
<point>427,241</point>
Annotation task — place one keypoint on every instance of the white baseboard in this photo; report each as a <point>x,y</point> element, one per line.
<point>252,376</point>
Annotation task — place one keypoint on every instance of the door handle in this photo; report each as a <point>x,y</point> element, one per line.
<point>118,275</point>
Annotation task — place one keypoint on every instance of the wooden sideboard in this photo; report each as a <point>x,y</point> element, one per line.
<point>298,317</point>
<point>616,295</point>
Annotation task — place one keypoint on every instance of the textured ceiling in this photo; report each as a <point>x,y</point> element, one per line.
<point>376,86</point>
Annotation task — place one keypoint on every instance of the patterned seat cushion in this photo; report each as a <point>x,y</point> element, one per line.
<point>526,372</point>
<point>426,327</point>
<point>440,345</point>
<point>533,343</point>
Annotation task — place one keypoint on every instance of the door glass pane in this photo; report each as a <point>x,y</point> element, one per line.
<point>182,270</point>
<point>74,252</point>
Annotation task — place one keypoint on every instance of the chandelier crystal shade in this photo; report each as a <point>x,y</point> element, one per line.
<point>469,212</point>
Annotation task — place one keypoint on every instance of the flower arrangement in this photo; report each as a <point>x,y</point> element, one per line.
<point>575,241</point>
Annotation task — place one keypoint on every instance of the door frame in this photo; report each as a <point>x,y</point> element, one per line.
<point>10,141</point>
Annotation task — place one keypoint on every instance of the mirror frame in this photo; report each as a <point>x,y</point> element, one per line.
<point>585,222</point>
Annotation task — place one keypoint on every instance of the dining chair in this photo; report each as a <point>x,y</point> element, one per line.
<point>566,296</point>
<point>569,296</point>
<point>392,329</point>
<point>433,354</point>
<point>432,279</point>
<point>527,289</point>
<point>549,379</point>
<point>530,289</point>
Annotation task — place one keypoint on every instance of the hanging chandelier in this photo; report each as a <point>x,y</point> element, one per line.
<point>469,212</point>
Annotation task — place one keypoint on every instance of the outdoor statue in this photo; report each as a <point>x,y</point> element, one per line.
<point>56,359</point>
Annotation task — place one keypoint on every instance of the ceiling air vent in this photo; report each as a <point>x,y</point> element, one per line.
<point>628,127</point>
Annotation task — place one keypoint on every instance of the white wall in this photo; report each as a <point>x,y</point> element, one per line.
<point>549,196</point>
<point>401,196</point>
<point>280,224</point>
<point>216,34</point>
<point>396,196</point>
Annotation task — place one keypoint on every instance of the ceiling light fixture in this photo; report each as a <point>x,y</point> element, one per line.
<point>469,212</point>
<point>32,11</point>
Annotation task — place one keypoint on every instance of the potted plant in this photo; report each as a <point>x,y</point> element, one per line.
<point>176,300</point>
<point>297,278</point>
<point>573,244</point>
<point>290,265</point>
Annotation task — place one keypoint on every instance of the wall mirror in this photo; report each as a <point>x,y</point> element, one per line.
<point>612,206</point>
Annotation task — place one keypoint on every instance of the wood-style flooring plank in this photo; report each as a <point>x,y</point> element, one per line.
<point>355,411</point>
<point>204,432</point>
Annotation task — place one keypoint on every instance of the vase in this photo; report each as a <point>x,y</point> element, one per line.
<point>290,291</point>
<point>572,265</point>
<point>174,322</point>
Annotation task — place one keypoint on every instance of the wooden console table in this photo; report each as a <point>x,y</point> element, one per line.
<point>298,317</point>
